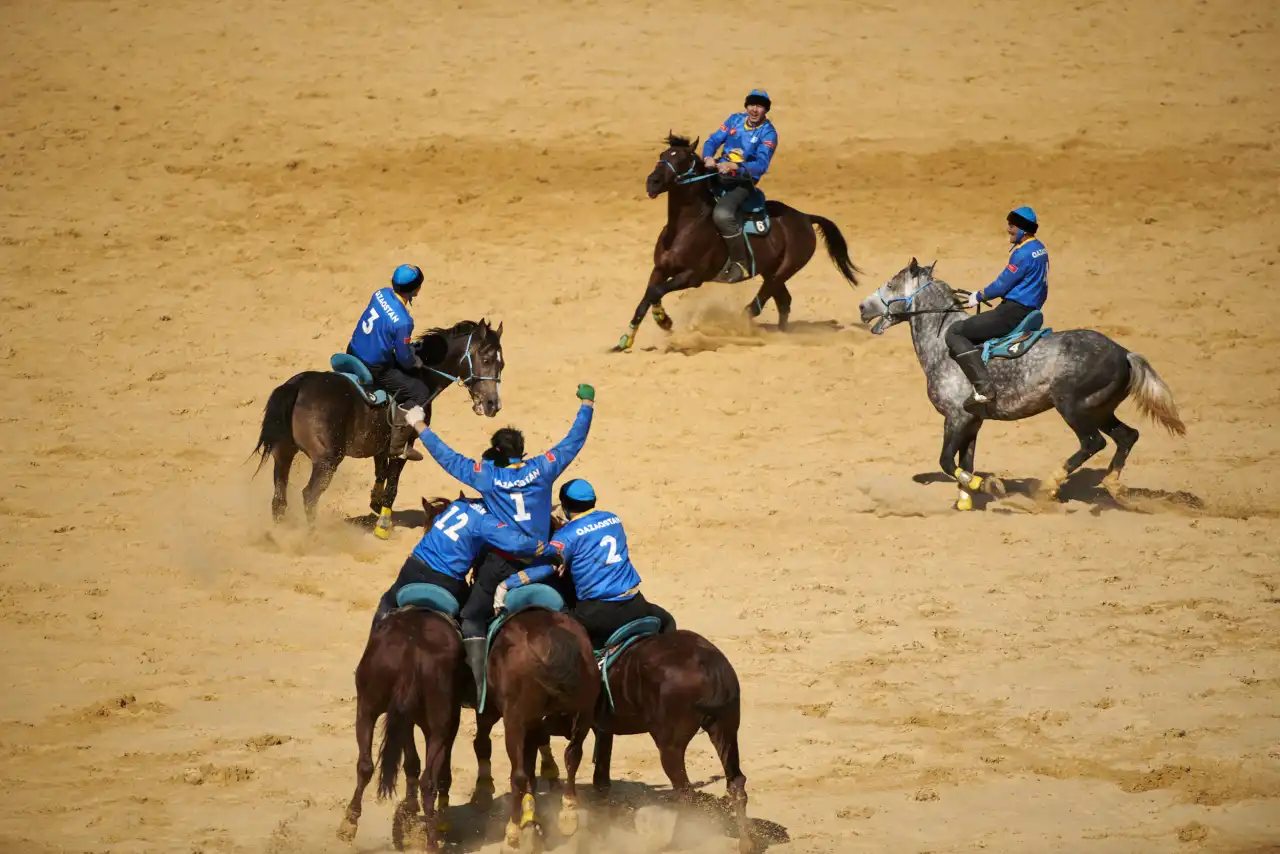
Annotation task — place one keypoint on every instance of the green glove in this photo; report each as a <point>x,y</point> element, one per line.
<point>586,392</point>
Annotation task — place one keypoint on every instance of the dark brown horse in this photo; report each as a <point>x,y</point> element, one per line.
<point>325,416</point>
<point>412,671</point>
<point>540,666</point>
<point>690,250</point>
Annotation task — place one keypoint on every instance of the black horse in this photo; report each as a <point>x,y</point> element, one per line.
<point>326,416</point>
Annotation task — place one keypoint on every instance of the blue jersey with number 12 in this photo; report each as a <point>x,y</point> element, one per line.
<point>519,495</point>
<point>453,543</point>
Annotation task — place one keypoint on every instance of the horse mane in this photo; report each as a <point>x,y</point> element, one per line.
<point>677,141</point>
<point>462,327</point>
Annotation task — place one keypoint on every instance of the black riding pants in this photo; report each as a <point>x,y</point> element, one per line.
<point>407,389</point>
<point>969,333</point>
<point>415,571</point>
<point>492,570</point>
<point>725,215</point>
<point>601,619</point>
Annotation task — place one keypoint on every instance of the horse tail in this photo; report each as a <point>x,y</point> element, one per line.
<point>560,675</point>
<point>277,419</point>
<point>1152,396</point>
<point>836,248</point>
<point>397,730</point>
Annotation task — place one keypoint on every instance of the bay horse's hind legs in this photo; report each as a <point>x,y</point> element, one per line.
<point>482,797</point>
<point>775,290</point>
<point>366,717</point>
<point>723,733</point>
<point>568,822</point>
<point>321,474</point>
<point>407,810</point>
<point>283,456</point>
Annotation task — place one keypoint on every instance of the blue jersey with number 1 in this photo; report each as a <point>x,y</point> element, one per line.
<point>519,495</point>
<point>453,543</point>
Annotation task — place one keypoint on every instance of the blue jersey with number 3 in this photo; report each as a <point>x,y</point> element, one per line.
<point>519,495</point>
<point>383,333</point>
<point>596,556</point>
<point>452,544</point>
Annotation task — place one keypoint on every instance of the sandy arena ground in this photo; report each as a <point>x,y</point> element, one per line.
<point>199,197</point>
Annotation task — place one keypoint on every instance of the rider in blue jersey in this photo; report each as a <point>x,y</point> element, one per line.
<point>382,339</point>
<point>749,141</point>
<point>516,491</point>
<point>1023,287</point>
<point>593,548</point>
<point>448,550</point>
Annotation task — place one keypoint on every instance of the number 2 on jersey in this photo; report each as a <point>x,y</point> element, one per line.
<point>612,544</point>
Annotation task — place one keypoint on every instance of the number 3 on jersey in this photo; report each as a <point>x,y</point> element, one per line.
<point>452,531</point>
<point>522,515</point>
<point>612,545</point>
<point>367,326</point>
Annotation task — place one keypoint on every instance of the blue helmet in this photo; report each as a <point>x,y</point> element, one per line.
<point>406,278</point>
<point>1024,218</point>
<point>758,96</point>
<point>578,491</point>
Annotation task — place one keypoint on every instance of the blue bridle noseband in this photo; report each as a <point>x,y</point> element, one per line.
<point>471,371</point>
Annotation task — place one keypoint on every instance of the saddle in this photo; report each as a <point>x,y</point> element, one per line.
<point>356,371</point>
<point>618,643</point>
<point>755,216</point>
<point>429,597</point>
<point>521,599</point>
<point>1019,341</point>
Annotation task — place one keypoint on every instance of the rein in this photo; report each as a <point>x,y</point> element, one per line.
<point>914,312</point>
<point>689,176</point>
<point>471,370</point>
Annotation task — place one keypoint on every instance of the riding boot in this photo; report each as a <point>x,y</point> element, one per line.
<point>474,651</point>
<point>984,393</point>
<point>738,267</point>
<point>402,444</point>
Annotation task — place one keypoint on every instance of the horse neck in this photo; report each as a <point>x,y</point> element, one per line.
<point>928,338</point>
<point>687,203</point>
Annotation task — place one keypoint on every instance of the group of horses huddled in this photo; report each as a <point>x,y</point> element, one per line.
<point>543,677</point>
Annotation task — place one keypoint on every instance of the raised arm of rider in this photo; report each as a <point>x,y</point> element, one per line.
<point>463,469</point>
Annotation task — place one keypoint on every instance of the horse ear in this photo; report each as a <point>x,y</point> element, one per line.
<point>931,266</point>
<point>914,266</point>
<point>500,328</point>
<point>696,140</point>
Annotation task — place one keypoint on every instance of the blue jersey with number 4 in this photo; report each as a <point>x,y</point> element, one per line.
<point>453,543</point>
<point>384,332</point>
<point>519,495</point>
<point>595,552</point>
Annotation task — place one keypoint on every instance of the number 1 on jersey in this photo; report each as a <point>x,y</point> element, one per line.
<point>522,515</point>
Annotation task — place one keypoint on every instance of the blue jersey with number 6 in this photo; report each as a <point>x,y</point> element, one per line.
<point>520,494</point>
<point>595,552</point>
<point>453,543</point>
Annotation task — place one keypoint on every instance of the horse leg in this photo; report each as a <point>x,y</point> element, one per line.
<point>439,746</point>
<point>1125,438</point>
<point>723,732</point>
<point>522,807</point>
<point>283,456</point>
<point>550,772</point>
<point>366,717</point>
<point>782,299</point>
<point>762,297</point>
<point>322,470</point>
<point>407,810</point>
<point>960,434</point>
<point>395,465</point>
<point>377,496</point>
<point>482,797</point>
<point>1091,442</point>
<point>568,823</point>
<point>673,741</point>
<point>445,781</point>
<point>604,753</point>
<point>657,289</point>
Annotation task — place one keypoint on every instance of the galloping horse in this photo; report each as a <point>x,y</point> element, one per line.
<point>690,251</point>
<point>328,416</point>
<point>1079,372</point>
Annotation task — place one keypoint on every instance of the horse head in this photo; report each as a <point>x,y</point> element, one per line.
<point>680,160</point>
<point>468,353</point>
<point>892,302</point>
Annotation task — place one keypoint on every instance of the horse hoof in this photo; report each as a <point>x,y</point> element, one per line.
<point>994,486</point>
<point>347,830</point>
<point>530,839</point>
<point>964,502</point>
<point>567,823</point>
<point>625,343</point>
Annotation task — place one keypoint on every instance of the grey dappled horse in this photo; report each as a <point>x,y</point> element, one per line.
<point>1079,372</point>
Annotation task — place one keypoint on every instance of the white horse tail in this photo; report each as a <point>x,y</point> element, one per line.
<point>1152,396</point>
